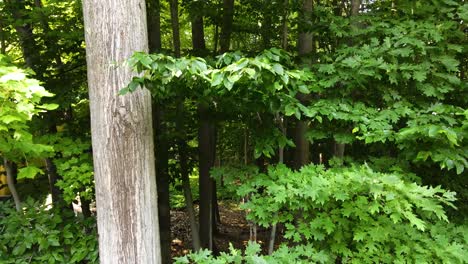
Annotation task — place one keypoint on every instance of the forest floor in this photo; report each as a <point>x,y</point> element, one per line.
<point>233,228</point>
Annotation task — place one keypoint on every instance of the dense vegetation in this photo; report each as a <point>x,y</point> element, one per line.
<point>343,125</point>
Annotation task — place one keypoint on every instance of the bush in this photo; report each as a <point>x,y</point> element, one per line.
<point>297,254</point>
<point>354,214</point>
<point>41,235</point>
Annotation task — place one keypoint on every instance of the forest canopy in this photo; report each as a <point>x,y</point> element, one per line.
<point>308,131</point>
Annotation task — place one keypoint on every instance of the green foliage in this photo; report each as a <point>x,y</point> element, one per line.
<point>20,101</point>
<point>252,255</point>
<point>354,214</point>
<point>74,164</point>
<point>176,193</point>
<point>45,235</point>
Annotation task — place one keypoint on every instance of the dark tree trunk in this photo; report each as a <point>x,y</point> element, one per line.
<point>226,28</point>
<point>174,5</point>
<point>85,208</point>
<point>284,25</point>
<point>305,47</point>
<point>154,25</point>
<point>198,34</point>
<point>205,141</point>
<point>56,193</point>
<point>160,139</point>
<point>184,174</point>
<point>162,182</point>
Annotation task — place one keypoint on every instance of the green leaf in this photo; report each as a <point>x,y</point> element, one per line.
<point>303,89</point>
<point>29,172</point>
<point>217,78</point>
<point>7,119</point>
<point>278,69</point>
<point>290,109</point>
<point>228,84</point>
<point>48,106</point>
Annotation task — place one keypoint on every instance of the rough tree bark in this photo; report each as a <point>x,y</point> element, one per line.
<point>122,134</point>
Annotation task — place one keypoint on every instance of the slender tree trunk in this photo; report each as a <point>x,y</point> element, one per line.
<point>55,192</point>
<point>226,29</point>
<point>355,6</point>
<point>205,134</point>
<point>284,25</point>
<point>305,47</point>
<point>215,40</point>
<point>160,139</point>
<point>85,208</point>
<point>11,183</point>
<point>271,242</point>
<point>266,26</point>
<point>305,42</point>
<point>339,148</point>
<point>198,34</point>
<point>184,173</point>
<point>2,37</point>
<point>162,181</point>
<point>122,134</point>
<point>154,25</point>
<point>174,5</point>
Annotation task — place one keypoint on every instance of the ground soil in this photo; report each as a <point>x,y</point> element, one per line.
<point>233,228</point>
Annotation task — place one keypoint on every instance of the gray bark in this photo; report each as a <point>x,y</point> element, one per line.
<point>122,134</point>
<point>11,184</point>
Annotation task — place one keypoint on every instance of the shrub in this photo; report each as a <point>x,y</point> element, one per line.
<point>41,235</point>
<point>354,214</point>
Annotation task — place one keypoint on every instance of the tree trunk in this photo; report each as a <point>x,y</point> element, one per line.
<point>305,42</point>
<point>160,139</point>
<point>205,134</point>
<point>154,25</point>
<point>184,174</point>
<point>122,134</point>
<point>355,6</point>
<point>284,25</point>
<point>162,181</point>
<point>174,5</point>
<point>11,183</point>
<point>153,8</point>
<point>226,28</point>
<point>55,192</point>
<point>85,208</point>
<point>198,34</point>
<point>25,33</point>
<point>339,150</point>
<point>271,242</point>
<point>305,47</point>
